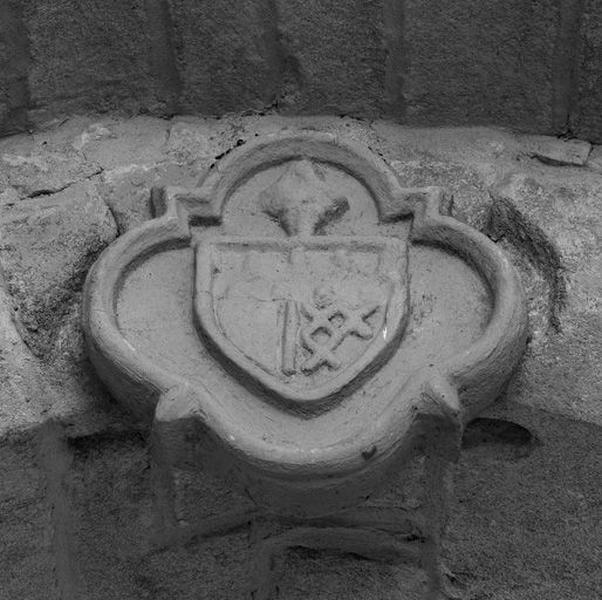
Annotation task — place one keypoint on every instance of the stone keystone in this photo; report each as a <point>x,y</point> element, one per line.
<point>303,325</point>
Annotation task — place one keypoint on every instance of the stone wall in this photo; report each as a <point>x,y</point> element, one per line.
<point>76,502</point>
<point>532,65</point>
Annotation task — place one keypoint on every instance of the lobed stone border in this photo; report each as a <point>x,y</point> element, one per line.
<point>448,394</point>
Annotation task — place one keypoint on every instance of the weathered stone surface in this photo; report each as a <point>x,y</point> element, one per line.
<point>290,260</point>
<point>551,217</point>
<point>226,55</point>
<point>126,191</point>
<point>529,65</point>
<point>555,151</point>
<point>114,144</point>
<point>21,408</point>
<point>79,148</point>
<point>480,62</point>
<point>553,237</point>
<point>45,162</point>
<point>333,56</point>
<point>594,161</point>
<point>14,66</point>
<point>16,145</point>
<point>586,114</point>
<point>9,196</point>
<point>144,153</point>
<point>466,161</point>
<point>199,142</point>
<point>28,546</point>
<point>33,391</point>
<point>111,480</point>
<point>525,520</point>
<point>112,494</point>
<point>88,56</point>
<point>522,497</point>
<point>48,243</point>
<point>464,165</point>
<point>41,173</point>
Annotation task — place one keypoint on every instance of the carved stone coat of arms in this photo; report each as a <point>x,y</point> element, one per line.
<point>305,316</point>
<point>302,324</point>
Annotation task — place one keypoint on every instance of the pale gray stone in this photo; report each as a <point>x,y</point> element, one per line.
<point>557,151</point>
<point>114,144</point>
<point>525,480</point>
<point>48,244</point>
<point>126,190</point>
<point>594,161</point>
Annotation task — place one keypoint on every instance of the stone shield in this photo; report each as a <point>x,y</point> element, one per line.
<point>304,318</point>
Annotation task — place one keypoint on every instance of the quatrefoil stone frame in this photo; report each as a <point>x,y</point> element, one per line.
<point>284,475</point>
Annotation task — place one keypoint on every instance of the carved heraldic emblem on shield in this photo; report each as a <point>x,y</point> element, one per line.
<point>262,326</point>
<point>307,315</point>
<point>303,325</point>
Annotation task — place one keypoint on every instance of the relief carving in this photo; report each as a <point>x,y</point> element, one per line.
<point>303,325</point>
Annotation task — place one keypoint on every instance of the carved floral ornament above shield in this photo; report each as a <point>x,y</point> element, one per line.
<point>310,306</point>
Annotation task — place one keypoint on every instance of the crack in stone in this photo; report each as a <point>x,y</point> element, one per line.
<point>51,191</point>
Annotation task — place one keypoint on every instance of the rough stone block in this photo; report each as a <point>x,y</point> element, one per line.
<point>112,144</point>
<point>21,405</point>
<point>32,392</point>
<point>90,55</point>
<point>79,148</point>
<point>48,244</point>
<point>333,56</point>
<point>586,118</point>
<point>41,172</point>
<point>226,55</point>
<point>198,142</point>
<point>555,151</point>
<point>481,62</point>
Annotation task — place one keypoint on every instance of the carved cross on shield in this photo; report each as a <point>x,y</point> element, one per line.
<point>306,316</point>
